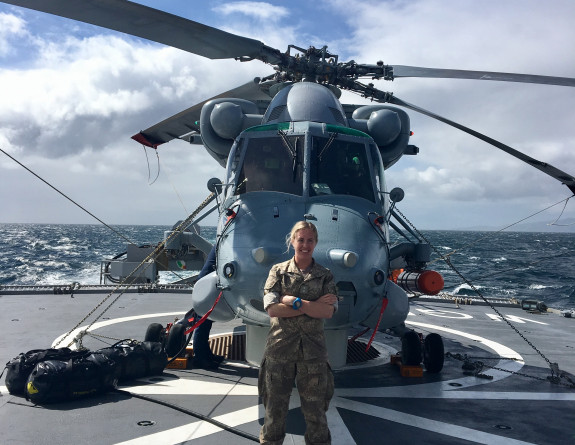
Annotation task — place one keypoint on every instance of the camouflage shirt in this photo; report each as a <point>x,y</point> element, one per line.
<point>288,335</point>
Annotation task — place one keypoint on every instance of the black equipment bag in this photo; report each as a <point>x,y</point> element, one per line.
<point>137,359</point>
<point>20,367</point>
<point>61,380</point>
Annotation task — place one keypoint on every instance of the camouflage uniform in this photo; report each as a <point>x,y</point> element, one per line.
<point>295,351</point>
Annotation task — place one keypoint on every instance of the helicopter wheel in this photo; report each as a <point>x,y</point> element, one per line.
<point>433,353</point>
<point>411,349</point>
<point>175,340</point>
<point>155,333</point>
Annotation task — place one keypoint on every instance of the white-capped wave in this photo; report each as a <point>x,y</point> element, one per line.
<point>539,286</point>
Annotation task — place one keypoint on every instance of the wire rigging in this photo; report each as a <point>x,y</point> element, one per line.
<point>121,235</point>
<point>127,280</point>
<point>490,234</point>
<point>148,164</point>
<point>554,223</point>
<point>556,373</point>
<point>166,172</point>
<point>192,413</point>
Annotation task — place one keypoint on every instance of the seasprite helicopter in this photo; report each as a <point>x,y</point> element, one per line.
<point>292,151</point>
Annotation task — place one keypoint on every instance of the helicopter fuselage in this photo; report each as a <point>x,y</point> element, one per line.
<point>278,174</point>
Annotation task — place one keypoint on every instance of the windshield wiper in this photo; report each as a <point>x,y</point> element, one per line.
<point>292,151</point>
<point>332,137</point>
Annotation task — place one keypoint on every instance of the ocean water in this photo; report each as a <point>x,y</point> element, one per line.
<point>523,265</point>
<point>47,254</point>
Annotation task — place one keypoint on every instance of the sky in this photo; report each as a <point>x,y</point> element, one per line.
<point>72,95</point>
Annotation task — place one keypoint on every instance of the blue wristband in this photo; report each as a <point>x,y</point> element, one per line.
<point>296,303</point>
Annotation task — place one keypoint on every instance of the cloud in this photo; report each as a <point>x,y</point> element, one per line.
<point>262,11</point>
<point>11,27</point>
<point>95,90</point>
<point>514,36</point>
<point>68,114</point>
<point>72,96</point>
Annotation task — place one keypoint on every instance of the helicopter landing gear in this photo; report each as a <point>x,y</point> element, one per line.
<point>175,340</point>
<point>172,337</point>
<point>155,333</point>
<point>411,349</point>
<point>430,351</point>
<point>433,353</point>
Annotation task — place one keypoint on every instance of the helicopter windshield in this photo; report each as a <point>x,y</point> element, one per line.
<point>340,167</point>
<point>272,164</point>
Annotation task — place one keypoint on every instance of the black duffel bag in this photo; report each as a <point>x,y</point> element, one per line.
<point>20,367</point>
<point>137,359</point>
<point>59,380</point>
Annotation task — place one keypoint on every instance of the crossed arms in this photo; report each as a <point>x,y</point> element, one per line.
<point>323,307</point>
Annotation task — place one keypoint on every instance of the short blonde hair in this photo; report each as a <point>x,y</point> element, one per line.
<point>296,228</point>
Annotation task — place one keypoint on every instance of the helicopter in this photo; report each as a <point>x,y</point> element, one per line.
<point>293,151</point>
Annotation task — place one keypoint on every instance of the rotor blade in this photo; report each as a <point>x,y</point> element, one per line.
<point>157,26</point>
<point>417,71</point>
<point>560,175</point>
<point>187,120</point>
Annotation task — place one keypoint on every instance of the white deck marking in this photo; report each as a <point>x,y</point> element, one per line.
<point>523,319</point>
<point>64,339</point>
<point>427,424</point>
<point>5,398</point>
<point>196,430</point>
<point>515,319</point>
<point>191,387</point>
<point>431,391</point>
<point>509,360</point>
<point>513,363</point>
<point>337,427</point>
<point>444,314</point>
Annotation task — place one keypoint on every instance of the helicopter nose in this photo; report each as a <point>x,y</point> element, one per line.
<point>343,257</point>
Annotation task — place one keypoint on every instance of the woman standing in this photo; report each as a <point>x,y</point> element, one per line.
<point>298,295</point>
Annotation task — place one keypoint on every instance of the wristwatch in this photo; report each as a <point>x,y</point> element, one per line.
<point>296,303</point>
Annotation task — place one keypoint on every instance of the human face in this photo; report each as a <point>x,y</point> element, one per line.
<point>304,243</point>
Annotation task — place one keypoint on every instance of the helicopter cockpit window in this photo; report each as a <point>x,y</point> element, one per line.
<point>272,164</point>
<point>340,168</point>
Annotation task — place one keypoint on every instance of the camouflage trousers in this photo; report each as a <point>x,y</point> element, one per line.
<point>314,381</point>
